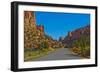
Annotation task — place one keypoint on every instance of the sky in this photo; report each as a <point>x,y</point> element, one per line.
<point>59,24</point>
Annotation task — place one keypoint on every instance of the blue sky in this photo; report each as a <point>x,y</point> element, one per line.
<point>59,24</point>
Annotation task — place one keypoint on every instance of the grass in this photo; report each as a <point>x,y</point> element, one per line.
<point>30,55</point>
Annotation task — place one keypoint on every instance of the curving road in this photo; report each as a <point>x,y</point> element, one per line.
<point>60,54</point>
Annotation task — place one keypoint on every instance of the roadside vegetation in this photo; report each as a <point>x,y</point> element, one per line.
<point>81,46</point>
<point>32,54</point>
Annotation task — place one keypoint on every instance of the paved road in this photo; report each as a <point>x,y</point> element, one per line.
<point>60,54</point>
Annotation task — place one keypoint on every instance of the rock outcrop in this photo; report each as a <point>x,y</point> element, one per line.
<point>76,34</point>
<point>34,35</point>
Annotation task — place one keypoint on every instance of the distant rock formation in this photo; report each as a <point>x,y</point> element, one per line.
<point>61,39</point>
<point>40,27</point>
<point>76,34</point>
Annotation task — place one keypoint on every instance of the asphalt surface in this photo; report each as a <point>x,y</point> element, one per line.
<point>60,54</point>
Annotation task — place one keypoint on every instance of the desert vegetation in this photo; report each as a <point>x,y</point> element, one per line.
<point>81,46</point>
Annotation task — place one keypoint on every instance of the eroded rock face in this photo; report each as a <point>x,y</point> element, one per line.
<point>31,33</point>
<point>29,28</point>
<point>76,34</point>
<point>34,35</point>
